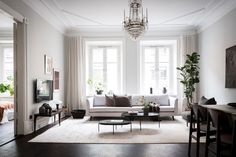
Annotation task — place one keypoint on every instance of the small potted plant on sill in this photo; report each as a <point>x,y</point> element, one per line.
<point>99,88</point>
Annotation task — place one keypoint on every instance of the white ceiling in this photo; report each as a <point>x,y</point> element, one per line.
<point>96,14</point>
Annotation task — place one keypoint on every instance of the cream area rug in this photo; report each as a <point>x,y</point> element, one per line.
<point>86,131</point>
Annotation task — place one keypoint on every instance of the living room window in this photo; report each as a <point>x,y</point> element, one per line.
<point>158,66</point>
<point>6,61</point>
<point>104,67</point>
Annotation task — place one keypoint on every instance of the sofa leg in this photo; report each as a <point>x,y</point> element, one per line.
<point>173,117</point>
<point>91,118</point>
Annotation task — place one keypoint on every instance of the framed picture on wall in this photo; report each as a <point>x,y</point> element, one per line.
<point>56,76</point>
<point>48,65</point>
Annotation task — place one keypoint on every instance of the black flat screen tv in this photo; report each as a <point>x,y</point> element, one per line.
<point>230,68</point>
<point>43,90</point>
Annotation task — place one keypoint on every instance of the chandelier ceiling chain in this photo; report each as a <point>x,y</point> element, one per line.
<point>136,23</point>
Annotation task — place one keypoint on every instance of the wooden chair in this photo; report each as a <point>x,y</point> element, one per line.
<point>224,142</point>
<point>200,115</point>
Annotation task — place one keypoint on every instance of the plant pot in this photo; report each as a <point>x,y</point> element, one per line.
<point>78,114</point>
<point>99,92</point>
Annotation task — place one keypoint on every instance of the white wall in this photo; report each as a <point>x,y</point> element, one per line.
<point>212,44</point>
<point>42,39</point>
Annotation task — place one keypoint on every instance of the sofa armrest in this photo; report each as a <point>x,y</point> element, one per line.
<point>174,102</point>
<point>89,102</point>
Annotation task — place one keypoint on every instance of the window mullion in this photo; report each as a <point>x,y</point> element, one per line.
<point>143,68</point>
<point>118,68</point>
<point>157,68</point>
<point>105,67</point>
<point>91,63</point>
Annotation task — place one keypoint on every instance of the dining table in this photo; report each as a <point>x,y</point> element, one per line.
<point>231,111</point>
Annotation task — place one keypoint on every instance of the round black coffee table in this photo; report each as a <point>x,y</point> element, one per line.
<point>114,122</point>
<point>140,116</point>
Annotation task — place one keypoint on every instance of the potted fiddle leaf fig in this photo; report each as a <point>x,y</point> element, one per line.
<point>190,76</point>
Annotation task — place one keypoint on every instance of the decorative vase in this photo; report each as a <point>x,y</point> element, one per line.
<point>164,90</point>
<point>151,90</point>
<point>145,111</point>
<point>42,110</point>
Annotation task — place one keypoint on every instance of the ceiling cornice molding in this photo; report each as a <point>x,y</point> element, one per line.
<point>52,12</point>
<point>40,7</point>
<point>216,14</point>
<point>171,31</point>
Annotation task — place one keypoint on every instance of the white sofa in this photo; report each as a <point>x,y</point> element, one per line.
<point>96,105</point>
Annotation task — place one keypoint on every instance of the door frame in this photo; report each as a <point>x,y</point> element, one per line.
<point>18,105</point>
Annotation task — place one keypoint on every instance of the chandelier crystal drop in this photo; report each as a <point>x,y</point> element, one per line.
<point>136,23</point>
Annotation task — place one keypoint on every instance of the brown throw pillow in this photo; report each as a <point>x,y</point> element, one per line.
<point>109,101</point>
<point>122,101</point>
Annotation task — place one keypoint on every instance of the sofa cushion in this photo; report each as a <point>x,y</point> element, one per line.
<point>99,100</point>
<point>202,100</point>
<point>211,101</point>
<point>121,101</point>
<point>109,101</point>
<point>136,100</point>
<point>163,100</point>
<point>151,98</point>
<point>115,109</point>
<point>167,109</point>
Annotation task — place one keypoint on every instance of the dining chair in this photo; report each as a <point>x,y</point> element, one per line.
<point>224,142</point>
<point>199,114</point>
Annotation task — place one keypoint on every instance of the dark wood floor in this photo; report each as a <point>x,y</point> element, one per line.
<point>22,148</point>
<point>6,132</point>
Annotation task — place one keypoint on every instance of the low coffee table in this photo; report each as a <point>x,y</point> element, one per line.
<point>114,122</point>
<point>140,116</point>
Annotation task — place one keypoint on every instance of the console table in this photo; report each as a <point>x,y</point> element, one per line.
<point>54,113</point>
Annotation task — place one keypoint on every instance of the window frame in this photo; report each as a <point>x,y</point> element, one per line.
<point>104,46</point>
<point>171,70</point>
<point>2,47</point>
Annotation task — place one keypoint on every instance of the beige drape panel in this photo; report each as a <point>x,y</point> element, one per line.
<point>75,74</point>
<point>187,45</point>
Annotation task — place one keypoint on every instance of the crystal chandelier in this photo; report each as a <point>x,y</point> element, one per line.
<point>136,23</point>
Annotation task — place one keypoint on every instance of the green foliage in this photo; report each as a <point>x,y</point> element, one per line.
<point>99,87</point>
<point>90,82</point>
<point>7,87</point>
<point>4,87</point>
<point>190,74</point>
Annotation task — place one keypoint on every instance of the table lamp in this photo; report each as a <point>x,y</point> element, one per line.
<point>57,102</point>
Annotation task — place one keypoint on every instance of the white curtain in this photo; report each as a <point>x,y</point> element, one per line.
<point>75,73</point>
<point>187,45</point>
